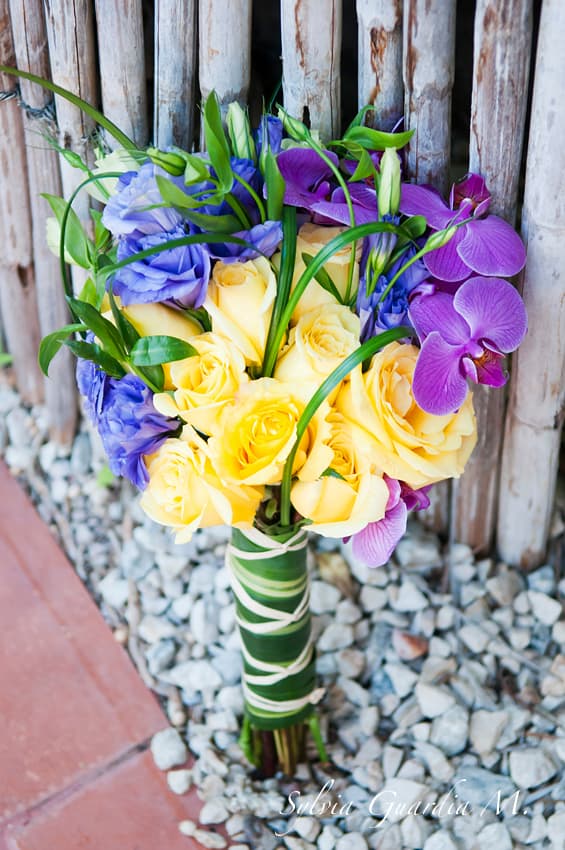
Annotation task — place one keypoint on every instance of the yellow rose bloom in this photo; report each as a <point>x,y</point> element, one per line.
<point>258,430</point>
<point>412,445</point>
<point>311,239</point>
<point>205,383</point>
<point>185,493</point>
<point>318,343</point>
<point>240,302</point>
<point>341,506</point>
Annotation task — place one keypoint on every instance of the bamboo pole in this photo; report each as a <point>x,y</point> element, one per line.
<point>18,301</point>
<point>537,390</point>
<point>30,45</point>
<point>428,70</point>
<point>121,53</point>
<point>224,28</point>
<point>70,34</point>
<point>175,72</point>
<point>503,34</point>
<point>380,60</point>
<point>429,61</point>
<point>311,46</point>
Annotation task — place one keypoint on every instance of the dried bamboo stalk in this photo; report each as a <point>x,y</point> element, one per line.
<point>175,72</point>
<point>537,391</point>
<point>503,34</point>
<point>311,45</point>
<point>428,70</point>
<point>18,301</point>
<point>224,28</point>
<point>429,60</point>
<point>380,60</point>
<point>30,45</point>
<point>121,53</point>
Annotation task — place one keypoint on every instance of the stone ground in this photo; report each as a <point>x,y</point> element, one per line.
<point>444,710</point>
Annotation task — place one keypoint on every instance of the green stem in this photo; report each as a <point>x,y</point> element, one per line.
<point>286,271</point>
<point>239,210</point>
<point>254,195</point>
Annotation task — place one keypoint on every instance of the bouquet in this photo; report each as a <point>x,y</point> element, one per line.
<point>278,334</point>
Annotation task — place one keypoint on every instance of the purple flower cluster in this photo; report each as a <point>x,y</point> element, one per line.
<point>122,410</point>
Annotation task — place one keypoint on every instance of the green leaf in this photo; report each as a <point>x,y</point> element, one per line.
<point>323,279</point>
<point>214,223</point>
<point>105,477</point>
<point>91,351</point>
<point>288,257</point>
<point>153,376</point>
<point>364,352</point>
<point>332,473</point>
<point>172,195</point>
<point>366,167</point>
<point>86,107</point>
<point>360,117</point>
<point>101,235</point>
<point>196,170</point>
<point>127,331</point>
<point>77,244</point>
<point>50,344</point>
<point>103,329</point>
<point>275,187</point>
<point>376,140</point>
<point>201,316</point>
<point>216,142</point>
<point>154,350</point>
<point>414,226</point>
<point>88,293</point>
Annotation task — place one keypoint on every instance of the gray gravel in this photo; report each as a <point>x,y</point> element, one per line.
<point>444,714</point>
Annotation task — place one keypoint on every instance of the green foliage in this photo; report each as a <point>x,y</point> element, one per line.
<point>154,350</point>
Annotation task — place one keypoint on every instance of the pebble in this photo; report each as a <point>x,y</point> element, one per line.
<point>350,662</point>
<point>307,828</point>
<point>353,841</point>
<point>179,781</point>
<point>409,598</point>
<point>214,811</point>
<point>450,730</point>
<point>210,840</point>
<point>168,749</point>
<point>505,587</point>
<point>323,597</point>
<point>433,700</point>
<point>495,836</point>
<point>203,621</point>
<point>475,637</point>
<point>440,840</point>
<point>479,787</point>
<point>486,728</point>
<point>335,636</point>
<point>114,589</point>
<point>542,579</point>
<point>194,676</point>
<point>372,598</point>
<point>531,767</point>
<point>556,829</point>
<point>545,609</point>
<point>408,646</point>
<point>402,793</point>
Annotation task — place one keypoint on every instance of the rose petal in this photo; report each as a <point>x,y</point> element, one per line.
<point>445,263</point>
<point>421,200</point>
<point>494,311</point>
<point>376,542</point>
<point>437,312</point>
<point>438,386</point>
<point>492,247</point>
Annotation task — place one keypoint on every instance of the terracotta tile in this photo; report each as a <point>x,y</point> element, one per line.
<point>127,808</point>
<point>70,698</point>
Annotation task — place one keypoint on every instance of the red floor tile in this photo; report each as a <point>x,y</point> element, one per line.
<point>70,698</point>
<point>128,808</point>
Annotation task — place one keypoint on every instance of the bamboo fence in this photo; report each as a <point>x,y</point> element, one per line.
<point>101,50</point>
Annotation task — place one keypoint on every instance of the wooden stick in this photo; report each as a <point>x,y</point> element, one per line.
<point>121,53</point>
<point>537,390</point>
<point>380,60</point>
<point>503,33</point>
<point>429,61</point>
<point>17,291</point>
<point>311,46</point>
<point>70,34</point>
<point>30,45</point>
<point>224,28</point>
<point>175,72</point>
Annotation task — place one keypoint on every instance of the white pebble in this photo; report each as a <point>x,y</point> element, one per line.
<point>213,812</point>
<point>353,841</point>
<point>179,781</point>
<point>409,598</point>
<point>168,749</point>
<point>335,636</point>
<point>440,841</point>
<point>530,767</point>
<point>546,609</point>
<point>486,728</point>
<point>323,597</point>
<point>433,700</point>
<point>210,840</point>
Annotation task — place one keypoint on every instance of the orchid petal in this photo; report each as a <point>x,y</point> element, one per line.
<point>416,500</point>
<point>422,200</point>
<point>394,491</point>
<point>492,247</point>
<point>376,542</point>
<point>438,386</point>
<point>437,312</point>
<point>472,188</point>
<point>331,211</point>
<point>446,263</point>
<point>302,170</point>
<point>494,311</point>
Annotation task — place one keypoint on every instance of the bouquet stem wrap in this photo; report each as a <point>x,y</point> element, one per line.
<point>271,587</point>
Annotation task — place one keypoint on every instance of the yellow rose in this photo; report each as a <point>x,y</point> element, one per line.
<point>341,506</point>
<point>258,430</point>
<point>240,302</point>
<point>319,342</point>
<point>157,320</point>
<point>412,445</point>
<point>185,493</point>
<point>204,383</point>
<point>311,239</point>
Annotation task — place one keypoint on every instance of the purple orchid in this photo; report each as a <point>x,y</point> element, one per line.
<point>306,176</point>
<point>265,237</point>
<point>465,335</point>
<point>375,543</point>
<point>485,244</point>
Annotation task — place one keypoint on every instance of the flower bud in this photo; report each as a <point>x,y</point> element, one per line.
<point>295,128</point>
<point>239,131</point>
<point>171,162</point>
<point>440,238</point>
<point>389,184</point>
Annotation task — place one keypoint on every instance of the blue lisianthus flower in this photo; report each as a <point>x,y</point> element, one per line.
<point>245,169</point>
<point>92,384</point>
<point>270,128</point>
<point>136,208</point>
<point>377,316</point>
<point>177,275</point>
<point>265,237</point>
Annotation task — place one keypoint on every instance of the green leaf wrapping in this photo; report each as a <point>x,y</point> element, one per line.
<point>279,580</point>
<point>154,350</point>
